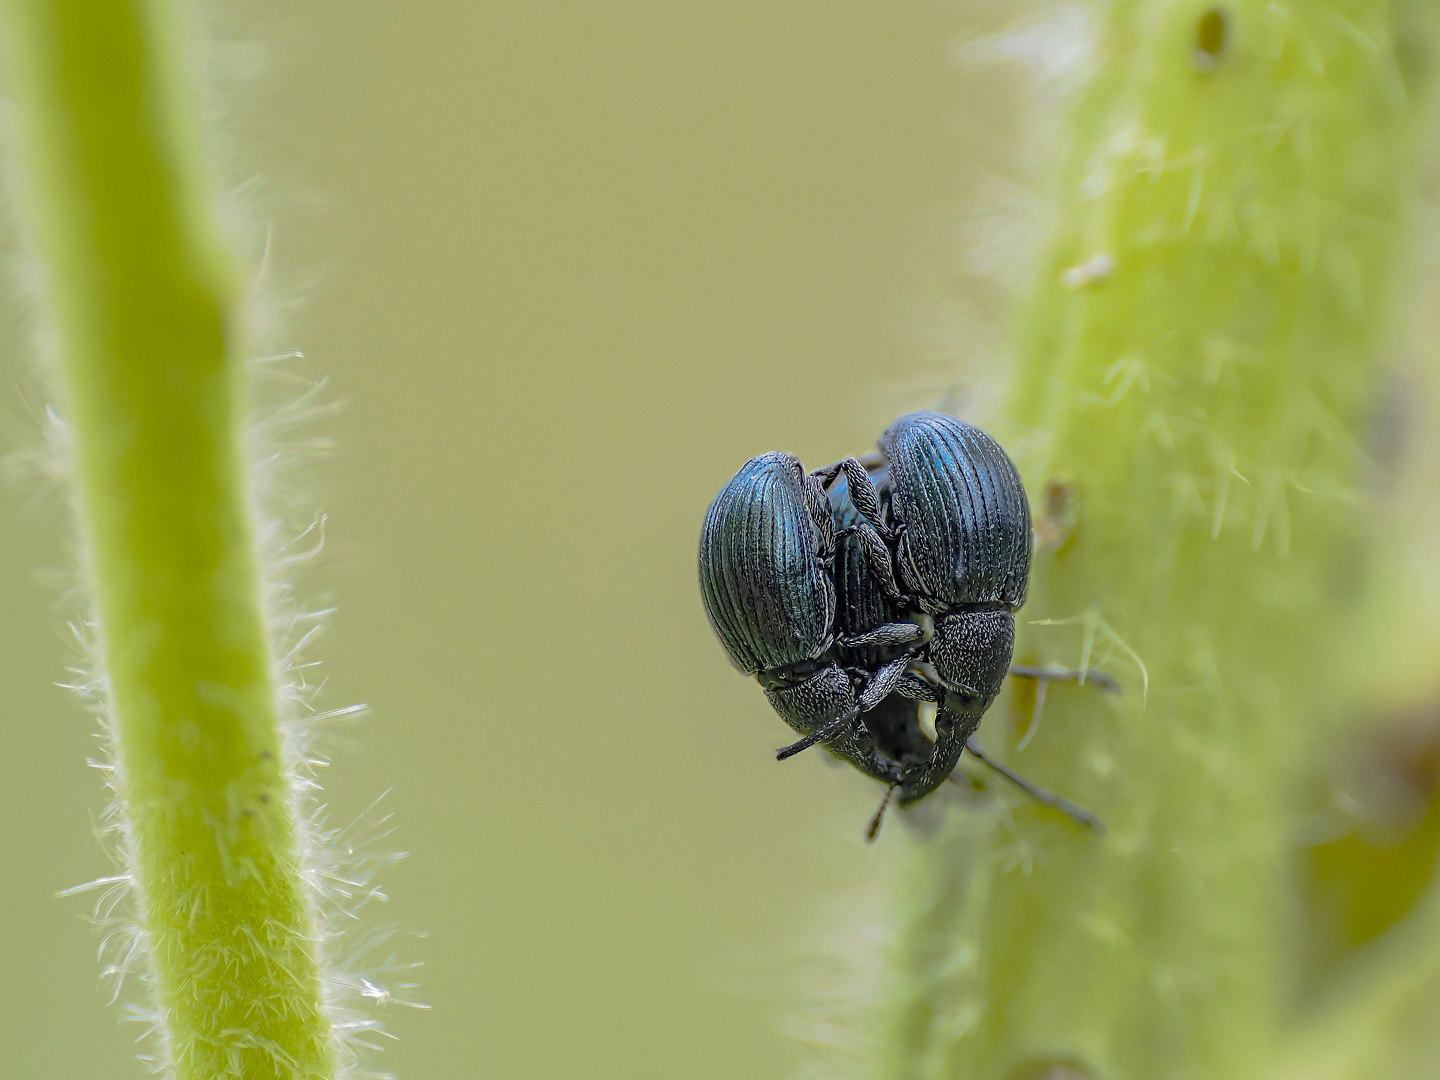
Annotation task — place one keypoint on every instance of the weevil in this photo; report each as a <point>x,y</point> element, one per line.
<point>958,511</point>
<point>766,562</point>
<point>894,723</point>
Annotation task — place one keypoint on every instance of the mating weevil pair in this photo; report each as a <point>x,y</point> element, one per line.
<point>898,585</point>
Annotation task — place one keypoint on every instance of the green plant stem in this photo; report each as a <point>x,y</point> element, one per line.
<point>1190,425</point>
<point>144,302</point>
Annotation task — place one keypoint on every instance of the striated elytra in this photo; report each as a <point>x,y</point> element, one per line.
<point>966,521</point>
<point>763,577</point>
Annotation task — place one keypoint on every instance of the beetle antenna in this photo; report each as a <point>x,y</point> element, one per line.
<point>874,829</point>
<point>1075,813</point>
<point>827,730</point>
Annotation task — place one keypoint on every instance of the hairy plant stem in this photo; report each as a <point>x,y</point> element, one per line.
<point>144,304</point>
<point>1195,374</point>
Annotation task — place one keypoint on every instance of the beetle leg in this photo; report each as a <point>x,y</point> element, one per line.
<point>868,460</point>
<point>917,689</point>
<point>827,730</point>
<point>928,606</point>
<point>863,493</point>
<point>879,558</point>
<point>876,690</point>
<point>830,692</point>
<point>887,635</point>
<point>862,488</point>
<point>1075,813</point>
<point>826,474</point>
<point>871,531</point>
<point>882,684</point>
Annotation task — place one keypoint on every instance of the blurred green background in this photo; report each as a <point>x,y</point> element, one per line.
<point>569,264</point>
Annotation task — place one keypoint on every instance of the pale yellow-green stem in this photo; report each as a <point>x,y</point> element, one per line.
<point>1197,372</point>
<point>143,302</point>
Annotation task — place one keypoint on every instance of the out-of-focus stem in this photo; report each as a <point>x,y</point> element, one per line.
<point>143,303</point>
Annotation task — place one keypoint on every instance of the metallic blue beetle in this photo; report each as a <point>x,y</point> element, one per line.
<point>962,553</point>
<point>894,724</point>
<point>767,554</point>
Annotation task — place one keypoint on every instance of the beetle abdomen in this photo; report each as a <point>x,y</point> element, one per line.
<point>967,521</point>
<point>766,593</point>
